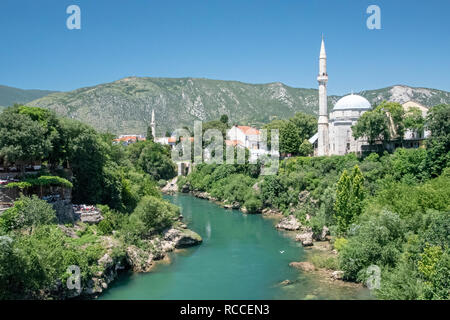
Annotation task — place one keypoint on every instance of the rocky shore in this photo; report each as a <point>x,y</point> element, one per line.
<point>120,257</point>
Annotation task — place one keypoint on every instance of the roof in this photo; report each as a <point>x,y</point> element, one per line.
<point>314,138</point>
<point>129,138</point>
<point>233,142</point>
<point>247,130</point>
<point>352,102</point>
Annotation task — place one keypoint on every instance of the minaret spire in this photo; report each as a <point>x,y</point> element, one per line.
<point>153,124</point>
<point>323,139</point>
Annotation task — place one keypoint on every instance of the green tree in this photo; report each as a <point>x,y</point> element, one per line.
<point>27,213</point>
<point>152,214</point>
<point>224,119</point>
<point>305,149</point>
<point>438,144</point>
<point>349,198</point>
<point>373,125</point>
<point>22,140</point>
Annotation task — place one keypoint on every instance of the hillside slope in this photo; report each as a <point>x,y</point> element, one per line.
<point>125,106</point>
<point>10,95</point>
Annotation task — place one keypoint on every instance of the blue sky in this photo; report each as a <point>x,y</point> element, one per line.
<point>255,41</point>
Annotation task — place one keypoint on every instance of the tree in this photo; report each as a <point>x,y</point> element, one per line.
<point>305,149</point>
<point>349,197</point>
<point>86,155</point>
<point>224,119</point>
<point>152,214</point>
<point>292,132</point>
<point>27,213</point>
<point>373,126</point>
<point>155,160</point>
<point>22,140</point>
<point>414,120</point>
<point>438,145</point>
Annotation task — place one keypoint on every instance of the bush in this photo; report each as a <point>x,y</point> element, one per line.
<point>27,213</point>
<point>324,262</point>
<point>151,215</point>
<point>253,204</point>
<point>162,183</point>
<point>377,240</point>
<point>340,243</point>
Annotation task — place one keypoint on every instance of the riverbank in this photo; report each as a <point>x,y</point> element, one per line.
<point>242,257</point>
<point>321,257</point>
<point>118,257</point>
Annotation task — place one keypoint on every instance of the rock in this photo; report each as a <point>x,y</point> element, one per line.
<point>270,212</point>
<point>185,188</point>
<point>91,217</point>
<point>106,261</point>
<point>323,234</point>
<point>337,275</point>
<point>64,211</point>
<point>288,223</point>
<point>305,266</point>
<point>306,238</point>
<point>70,232</point>
<point>138,259</point>
<point>183,226</point>
<point>182,238</point>
<point>244,210</point>
<point>171,186</point>
<point>285,283</point>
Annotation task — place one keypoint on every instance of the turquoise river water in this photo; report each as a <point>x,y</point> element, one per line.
<point>242,257</point>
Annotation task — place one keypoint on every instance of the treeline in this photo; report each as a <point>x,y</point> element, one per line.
<point>35,251</point>
<point>386,210</point>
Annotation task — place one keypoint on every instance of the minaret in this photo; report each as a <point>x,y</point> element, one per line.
<point>323,139</point>
<point>153,125</point>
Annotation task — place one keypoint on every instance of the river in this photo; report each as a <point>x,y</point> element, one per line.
<point>242,257</point>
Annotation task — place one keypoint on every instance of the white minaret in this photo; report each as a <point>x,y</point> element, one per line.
<point>153,125</point>
<point>323,139</point>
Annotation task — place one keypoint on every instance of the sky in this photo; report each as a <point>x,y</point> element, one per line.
<point>256,41</point>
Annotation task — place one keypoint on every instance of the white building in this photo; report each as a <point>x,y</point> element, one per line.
<point>334,135</point>
<point>343,116</point>
<point>245,136</point>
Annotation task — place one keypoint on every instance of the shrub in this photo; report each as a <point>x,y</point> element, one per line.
<point>340,243</point>
<point>27,213</point>
<point>377,240</point>
<point>325,262</point>
<point>253,204</point>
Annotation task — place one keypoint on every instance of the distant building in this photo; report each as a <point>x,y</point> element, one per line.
<point>245,136</point>
<point>128,139</point>
<point>335,136</point>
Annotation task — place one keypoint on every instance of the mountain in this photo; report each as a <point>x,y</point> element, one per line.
<point>125,106</point>
<point>9,95</point>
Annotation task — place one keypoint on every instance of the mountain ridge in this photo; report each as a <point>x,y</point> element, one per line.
<point>10,95</point>
<point>125,105</point>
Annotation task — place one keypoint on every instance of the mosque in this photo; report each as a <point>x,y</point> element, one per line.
<point>334,136</point>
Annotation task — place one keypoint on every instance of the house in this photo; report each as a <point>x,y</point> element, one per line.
<point>245,136</point>
<point>128,139</point>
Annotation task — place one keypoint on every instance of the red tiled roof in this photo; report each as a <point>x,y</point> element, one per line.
<point>249,130</point>
<point>233,142</point>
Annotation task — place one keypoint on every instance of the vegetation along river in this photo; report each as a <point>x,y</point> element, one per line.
<point>242,257</point>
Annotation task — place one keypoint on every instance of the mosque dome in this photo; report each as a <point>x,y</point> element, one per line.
<point>352,102</point>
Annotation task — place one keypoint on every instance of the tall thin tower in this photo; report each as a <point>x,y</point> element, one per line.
<point>153,125</point>
<point>323,139</point>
